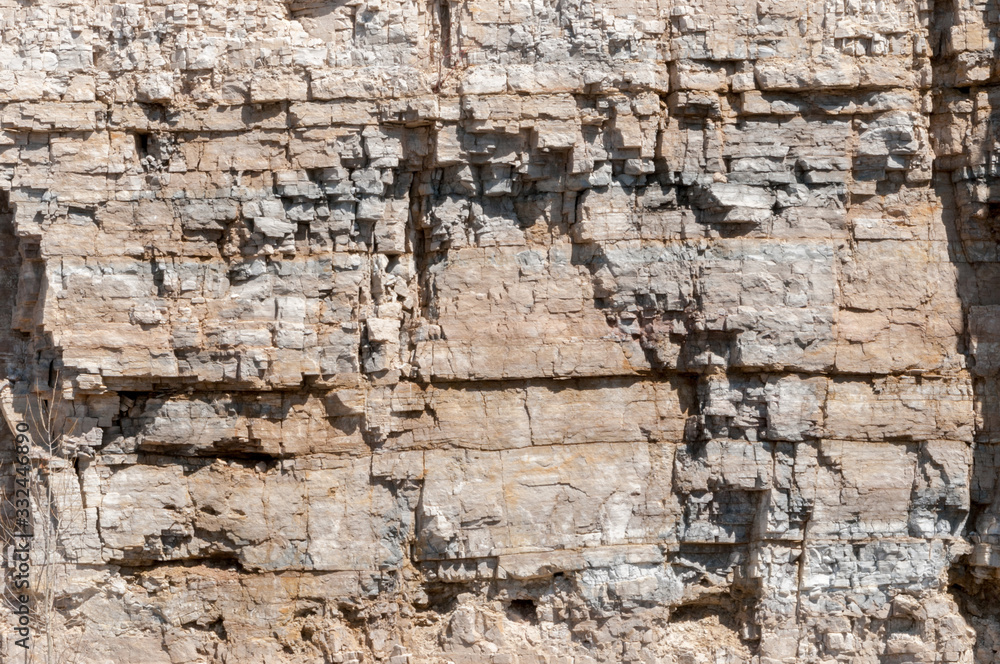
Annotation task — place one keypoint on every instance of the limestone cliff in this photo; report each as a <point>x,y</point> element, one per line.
<point>504,332</point>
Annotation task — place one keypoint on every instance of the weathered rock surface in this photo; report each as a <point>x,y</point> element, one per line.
<point>507,332</point>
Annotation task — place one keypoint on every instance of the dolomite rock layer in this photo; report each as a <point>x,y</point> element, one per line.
<point>659,331</point>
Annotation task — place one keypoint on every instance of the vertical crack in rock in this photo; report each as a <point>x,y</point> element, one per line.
<point>12,335</point>
<point>965,143</point>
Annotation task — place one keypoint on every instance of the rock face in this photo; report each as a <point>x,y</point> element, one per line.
<point>504,332</point>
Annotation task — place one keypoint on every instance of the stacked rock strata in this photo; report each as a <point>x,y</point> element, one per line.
<point>506,332</point>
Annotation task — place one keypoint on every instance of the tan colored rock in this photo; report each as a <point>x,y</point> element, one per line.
<point>482,332</point>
